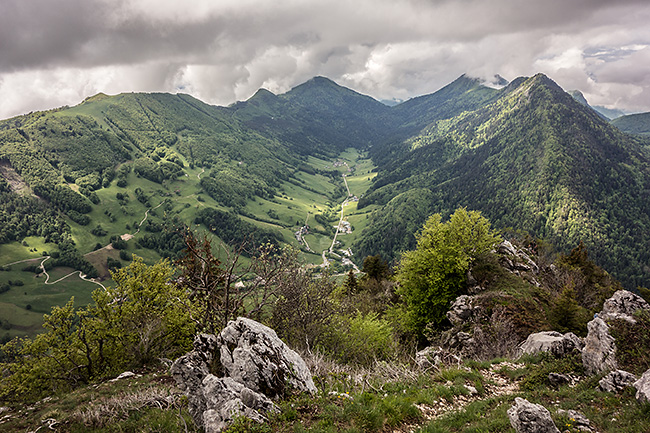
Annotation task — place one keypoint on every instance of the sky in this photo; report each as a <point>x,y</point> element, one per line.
<point>58,52</point>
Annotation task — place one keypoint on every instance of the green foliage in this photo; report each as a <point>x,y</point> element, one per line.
<point>566,312</point>
<point>633,343</point>
<point>363,339</point>
<point>434,274</point>
<point>529,157</point>
<point>144,316</point>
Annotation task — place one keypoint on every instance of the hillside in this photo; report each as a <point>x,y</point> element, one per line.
<point>532,159</point>
<point>634,123</point>
<point>146,165</point>
<point>143,166</point>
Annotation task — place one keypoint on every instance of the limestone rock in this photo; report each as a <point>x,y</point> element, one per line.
<point>226,400</point>
<point>622,305</point>
<point>461,310</point>
<point>578,419</point>
<point>189,371</point>
<point>550,341</point>
<point>514,260</point>
<point>643,388</point>
<point>527,417</point>
<point>599,352</point>
<point>428,358</point>
<point>616,381</point>
<point>253,355</point>
<point>558,379</point>
<point>215,402</point>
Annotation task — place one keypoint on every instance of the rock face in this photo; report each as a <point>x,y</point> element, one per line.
<point>189,371</point>
<point>617,381</point>
<point>527,417</point>
<point>517,262</point>
<point>256,362</point>
<point>558,379</point>
<point>226,399</point>
<point>599,353</point>
<point>461,310</point>
<point>550,341</point>
<point>643,388</point>
<point>622,305</point>
<point>253,355</point>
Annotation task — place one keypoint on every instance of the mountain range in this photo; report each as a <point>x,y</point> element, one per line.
<point>527,155</point>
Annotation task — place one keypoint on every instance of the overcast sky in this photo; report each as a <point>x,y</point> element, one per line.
<point>57,52</point>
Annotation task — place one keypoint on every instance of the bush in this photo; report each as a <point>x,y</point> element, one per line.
<point>434,274</point>
<point>363,339</point>
<point>80,345</point>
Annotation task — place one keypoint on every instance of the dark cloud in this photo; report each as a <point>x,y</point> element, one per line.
<point>58,52</point>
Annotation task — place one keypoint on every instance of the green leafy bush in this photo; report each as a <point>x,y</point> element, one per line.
<point>434,274</point>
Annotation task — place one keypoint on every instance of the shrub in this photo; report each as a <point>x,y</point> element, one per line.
<point>433,275</point>
<point>364,339</point>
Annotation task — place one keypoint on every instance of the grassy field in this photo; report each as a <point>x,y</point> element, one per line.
<point>297,203</point>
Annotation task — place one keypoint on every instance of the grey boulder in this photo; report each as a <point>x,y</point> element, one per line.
<point>461,310</point>
<point>527,417</point>
<point>616,381</point>
<point>599,353</point>
<point>253,355</point>
<point>643,388</point>
<point>622,305</point>
<point>226,400</point>
<point>551,341</point>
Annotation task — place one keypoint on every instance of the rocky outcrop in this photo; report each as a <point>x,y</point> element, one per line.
<point>643,388</point>
<point>599,353</point>
<point>558,379</point>
<point>550,341</point>
<point>189,371</point>
<point>254,356</point>
<point>226,399</point>
<point>622,305</point>
<point>517,262</point>
<point>527,417</point>
<point>434,357</point>
<point>256,362</point>
<point>461,310</point>
<point>616,381</point>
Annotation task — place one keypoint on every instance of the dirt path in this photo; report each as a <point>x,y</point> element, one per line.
<point>81,275</point>
<point>146,214</point>
<point>496,384</point>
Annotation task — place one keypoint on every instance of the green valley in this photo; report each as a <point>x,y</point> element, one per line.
<point>333,173</point>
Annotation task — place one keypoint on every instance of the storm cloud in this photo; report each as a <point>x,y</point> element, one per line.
<point>55,53</point>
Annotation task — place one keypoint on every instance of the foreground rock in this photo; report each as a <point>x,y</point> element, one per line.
<point>643,388</point>
<point>616,381</point>
<point>550,341</point>
<point>226,400</point>
<point>599,353</point>
<point>578,419</point>
<point>253,355</point>
<point>527,417</point>
<point>258,365</point>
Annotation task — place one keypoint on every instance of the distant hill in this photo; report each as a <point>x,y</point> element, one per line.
<point>529,157</point>
<point>634,123</point>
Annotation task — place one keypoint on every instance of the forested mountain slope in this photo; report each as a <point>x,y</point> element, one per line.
<point>533,159</point>
<point>528,156</point>
<point>634,123</point>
